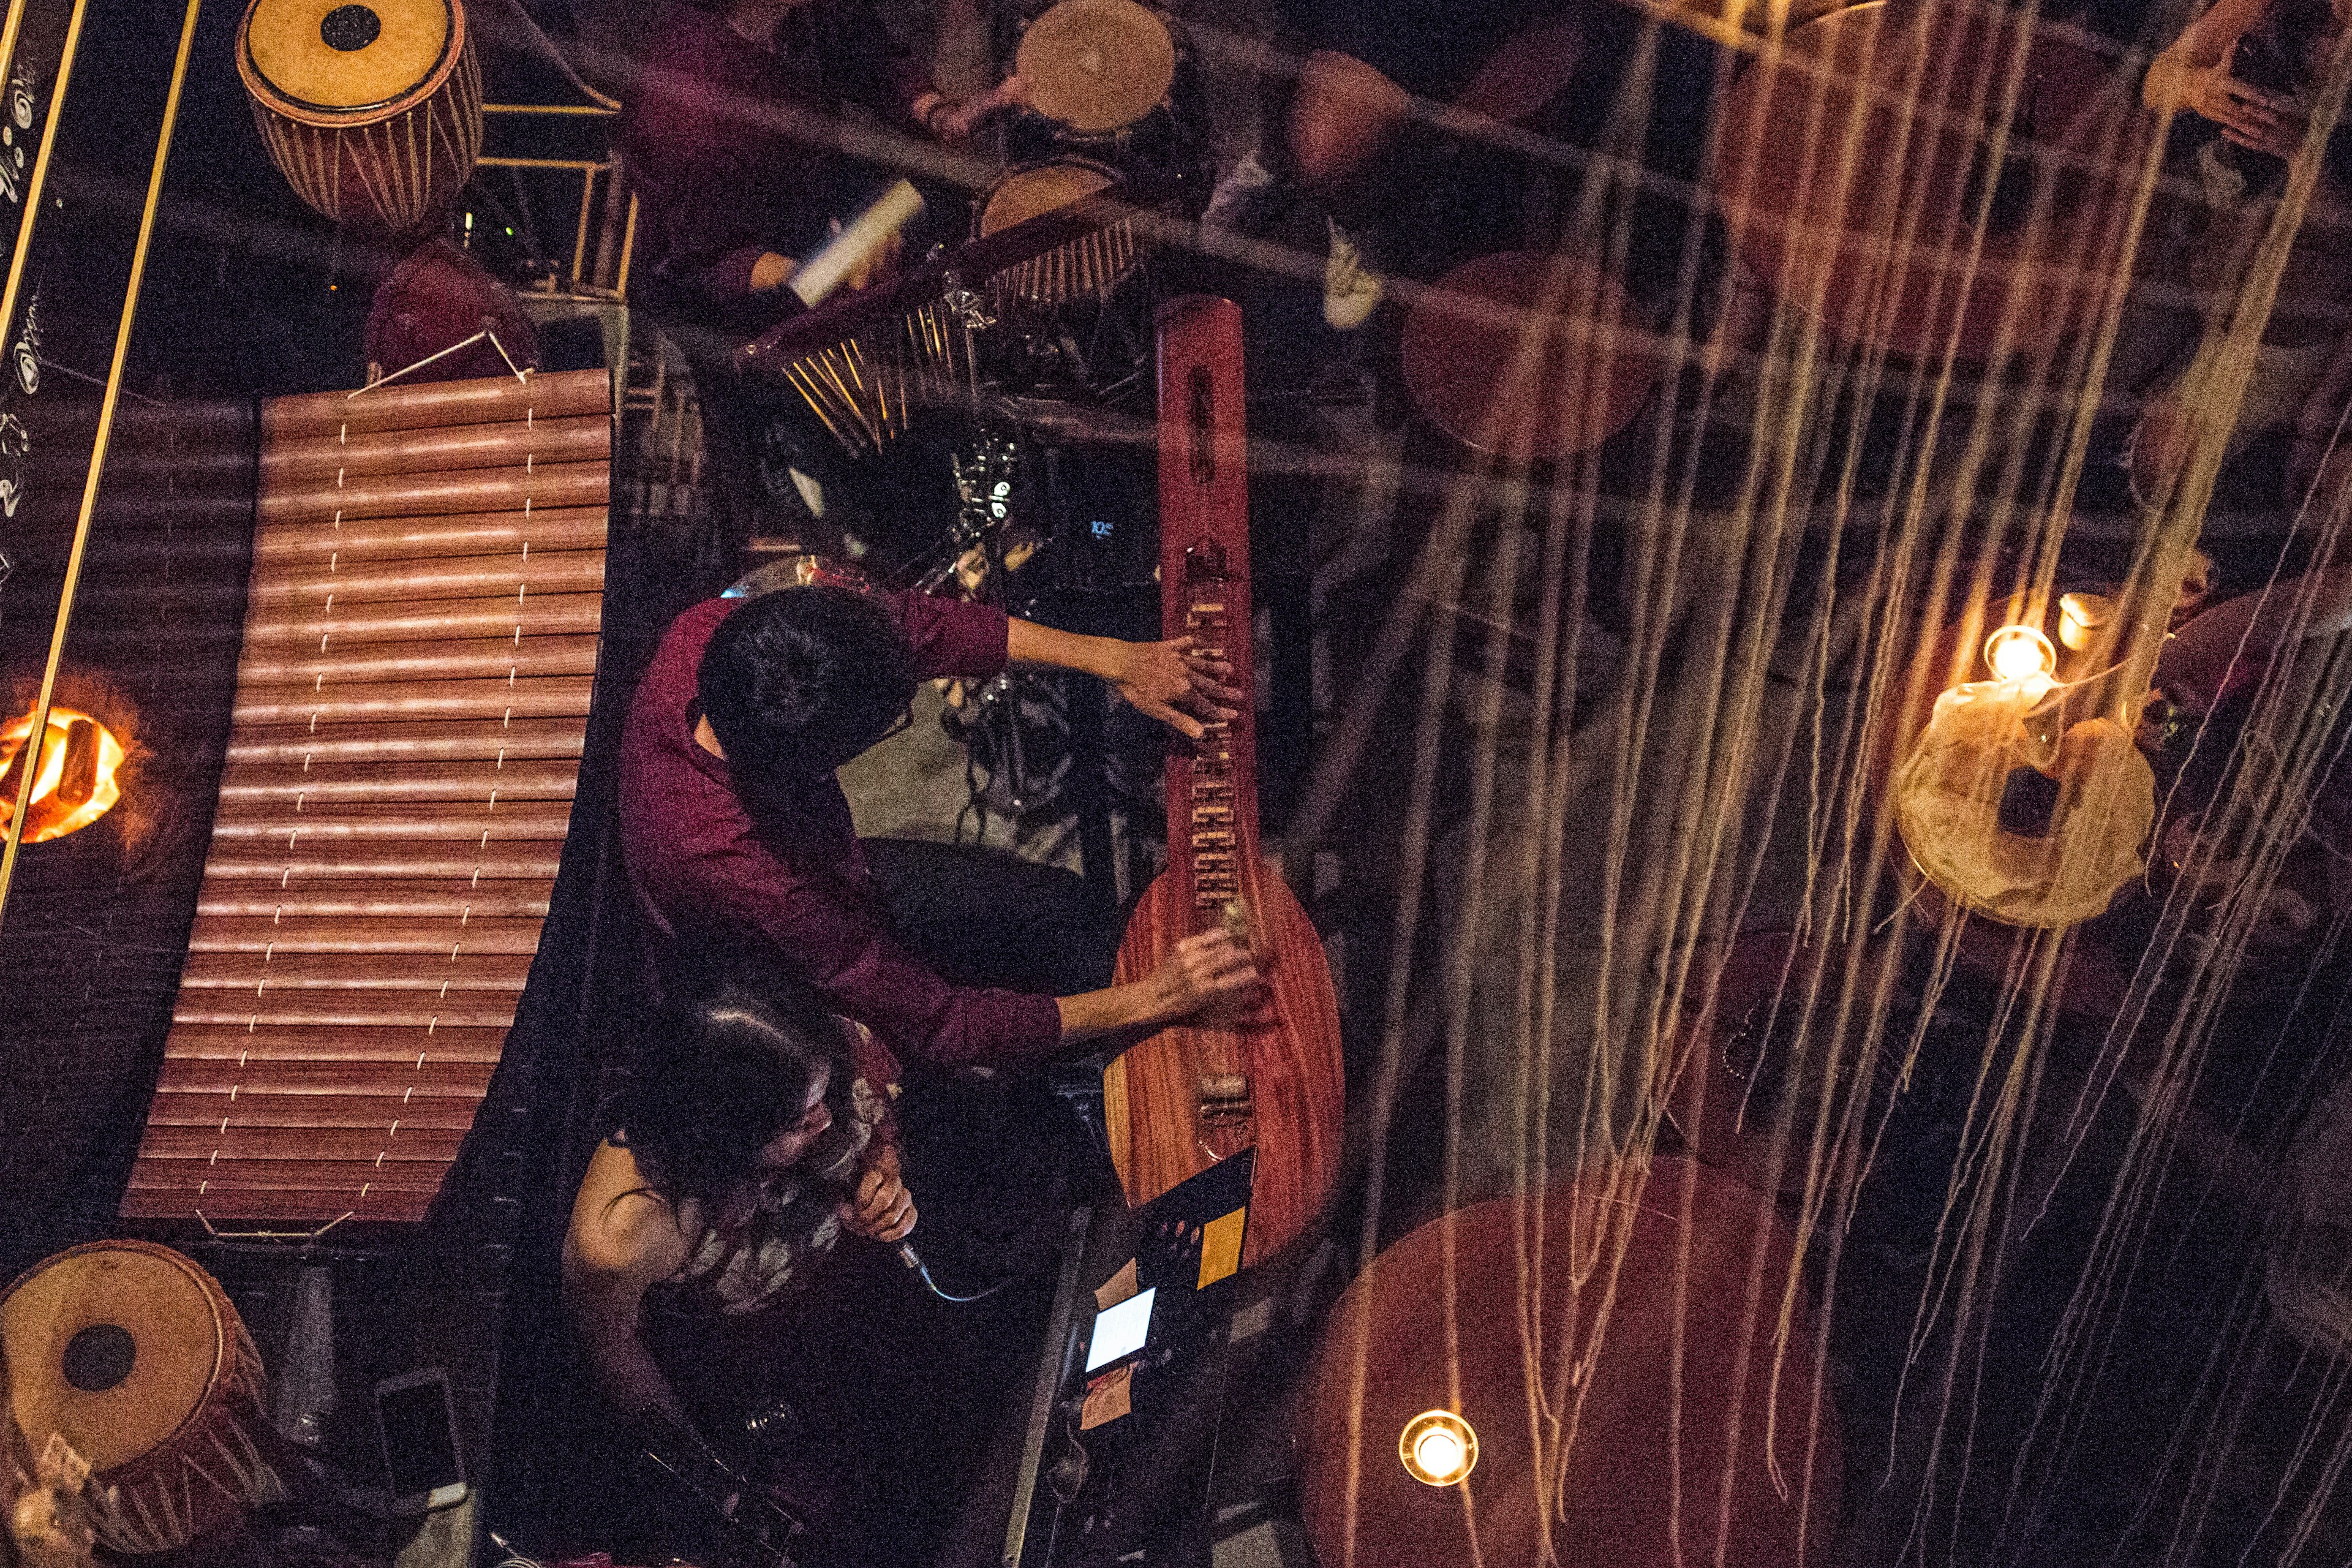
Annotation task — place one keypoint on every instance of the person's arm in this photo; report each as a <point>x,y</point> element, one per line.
<point>2197,659</point>
<point>954,119</point>
<point>842,949</point>
<point>2193,74</point>
<point>1206,974</point>
<point>1175,682</point>
<point>615,1249</point>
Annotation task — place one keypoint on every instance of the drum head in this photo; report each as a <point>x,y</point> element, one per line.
<point>1463,344</point>
<point>1096,65</point>
<point>346,57</point>
<point>114,1344</point>
<point>1033,191</point>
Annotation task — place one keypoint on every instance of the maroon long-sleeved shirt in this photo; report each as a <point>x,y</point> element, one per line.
<point>793,881</point>
<point>737,147</point>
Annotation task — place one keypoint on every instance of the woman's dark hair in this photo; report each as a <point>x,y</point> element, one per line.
<point>803,679</point>
<point>720,1077</point>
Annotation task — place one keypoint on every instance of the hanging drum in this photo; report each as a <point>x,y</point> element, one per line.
<point>1089,265</point>
<point>134,1354</point>
<point>373,111</point>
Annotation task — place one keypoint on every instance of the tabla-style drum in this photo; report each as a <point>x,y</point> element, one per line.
<point>1089,266</point>
<point>134,1354</point>
<point>371,109</point>
<point>1104,71</point>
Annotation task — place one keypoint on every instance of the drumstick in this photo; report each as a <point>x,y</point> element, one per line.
<point>856,244</point>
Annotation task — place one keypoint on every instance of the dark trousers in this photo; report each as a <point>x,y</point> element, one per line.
<point>982,917</point>
<point>995,1158</point>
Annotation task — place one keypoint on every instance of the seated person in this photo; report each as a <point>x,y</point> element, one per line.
<point>698,1186</point>
<point>735,138</point>
<point>735,830</point>
<point>1368,60</point>
<point>757,1131</point>
<point>740,139</point>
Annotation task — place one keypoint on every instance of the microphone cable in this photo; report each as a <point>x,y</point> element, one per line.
<point>914,1262</point>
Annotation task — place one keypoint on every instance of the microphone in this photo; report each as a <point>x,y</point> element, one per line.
<point>833,1158</point>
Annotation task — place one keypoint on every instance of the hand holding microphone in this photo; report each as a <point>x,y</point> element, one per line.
<point>875,1202</point>
<point>881,1208</point>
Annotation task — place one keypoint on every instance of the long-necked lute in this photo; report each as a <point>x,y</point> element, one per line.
<point>1191,1096</point>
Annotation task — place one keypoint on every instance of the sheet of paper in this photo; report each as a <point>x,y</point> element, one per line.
<point>1115,1289</point>
<point>1109,1397</point>
<point>1221,1247</point>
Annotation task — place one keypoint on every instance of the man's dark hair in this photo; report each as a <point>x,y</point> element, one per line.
<point>803,679</point>
<point>720,1077</point>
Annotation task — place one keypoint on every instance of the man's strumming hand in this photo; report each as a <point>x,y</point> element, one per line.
<point>1209,975</point>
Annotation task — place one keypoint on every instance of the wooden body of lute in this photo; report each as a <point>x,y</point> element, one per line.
<point>1188,1097</point>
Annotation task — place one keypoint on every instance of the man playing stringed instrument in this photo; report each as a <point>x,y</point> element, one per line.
<point>735,829</point>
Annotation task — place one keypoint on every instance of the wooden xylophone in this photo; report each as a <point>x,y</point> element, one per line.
<point>411,704</point>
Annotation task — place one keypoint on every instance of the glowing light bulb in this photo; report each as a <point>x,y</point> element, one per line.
<point>2082,617</point>
<point>1437,1447</point>
<point>2020,653</point>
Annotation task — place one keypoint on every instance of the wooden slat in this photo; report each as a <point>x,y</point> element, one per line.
<point>472,739</point>
<point>437,700</point>
<point>525,778</point>
<point>479,659</point>
<point>302,1195</point>
<point>418,900</point>
<point>435,404</point>
<point>400,1148</point>
<point>358,1010</point>
<point>424,937</point>
<point>416,495</point>
<point>280,548</point>
<point>319,826</point>
<point>345,1111</point>
<point>267,1048</point>
<point>315,971</point>
<point>285,596</point>
<point>291,873</point>
<point>328,1143</point>
<point>217,1076</point>
<point>321,462</point>
<point>353,624</point>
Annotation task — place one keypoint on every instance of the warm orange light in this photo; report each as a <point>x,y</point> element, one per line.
<point>79,764</point>
<point>1438,1448</point>
<point>2020,653</point>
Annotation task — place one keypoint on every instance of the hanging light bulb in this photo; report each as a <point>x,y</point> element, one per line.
<point>2020,654</point>
<point>1438,1448</point>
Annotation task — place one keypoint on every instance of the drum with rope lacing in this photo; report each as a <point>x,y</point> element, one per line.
<point>373,111</point>
<point>135,1355</point>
